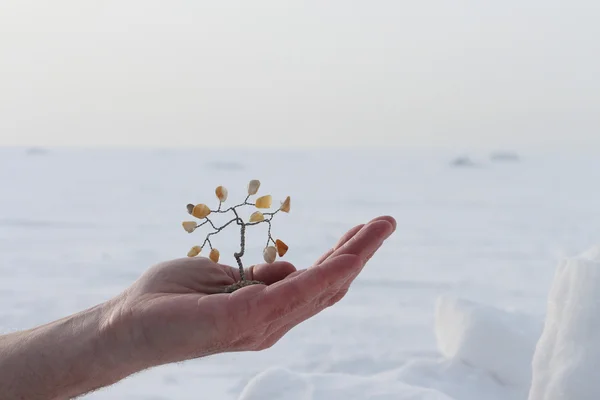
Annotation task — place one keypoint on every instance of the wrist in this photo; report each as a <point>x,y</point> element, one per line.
<point>93,353</point>
<point>92,350</point>
<point>119,340</point>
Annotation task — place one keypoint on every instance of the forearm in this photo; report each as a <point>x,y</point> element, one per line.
<point>63,359</point>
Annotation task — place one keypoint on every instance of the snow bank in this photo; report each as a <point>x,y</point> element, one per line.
<point>456,379</point>
<point>283,384</point>
<point>566,360</point>
<point>278,383</point>
<point>499,342</point>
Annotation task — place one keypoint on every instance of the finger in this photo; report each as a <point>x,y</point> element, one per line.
<point>290,295</point>
<point>284,299</point>
<point>267,273</point>
<point>280,327</point>
<point>283,326</point>
<point>270,273</point>
<point>326,299</point>
<point>368,240</point>
<point>246,297</point>
<point>362,244</point>
<point>347,236</point>
<point>350,234</point>
<point>387,218</point>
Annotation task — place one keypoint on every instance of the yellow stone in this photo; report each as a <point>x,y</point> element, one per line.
<point>264,201</point>
<point>282,248</point>
<point>270,254</point>
<point>221,193</point>
<point>201,211</point>
<point>214,255</point>
<point>257,216</point>
<point>194,251</point>
<point>189,226</point>
<point>253,186</point>
<point>285,206</point>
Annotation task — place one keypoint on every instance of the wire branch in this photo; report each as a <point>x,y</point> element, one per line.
<point>268,217</point>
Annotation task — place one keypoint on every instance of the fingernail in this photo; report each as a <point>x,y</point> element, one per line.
<point>386,228</point>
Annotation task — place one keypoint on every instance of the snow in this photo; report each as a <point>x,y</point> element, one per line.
<point>282,384</point>
<point>447,309</point>
<point>485,337</point>
<point>567,356</point>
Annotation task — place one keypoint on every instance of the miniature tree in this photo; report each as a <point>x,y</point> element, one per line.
<point>273,247</point>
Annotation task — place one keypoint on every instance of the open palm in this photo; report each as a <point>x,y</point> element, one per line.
<point>177,310</point>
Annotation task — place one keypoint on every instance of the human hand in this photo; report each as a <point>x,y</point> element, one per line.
<point>177,310</point>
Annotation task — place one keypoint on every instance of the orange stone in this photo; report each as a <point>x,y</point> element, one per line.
<point>282,248</point>
<point>194,251</point>
<point>214,255</point>
<point>257,216</point>
<point>189,226</point>
<point>285,206</point>
<point>221,193</point>
<point>201,211</point>
<point>264,201</point>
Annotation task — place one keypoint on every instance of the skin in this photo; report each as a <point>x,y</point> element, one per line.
<point>176,311</point>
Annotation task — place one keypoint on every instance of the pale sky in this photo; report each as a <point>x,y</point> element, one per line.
<point>280,73</point>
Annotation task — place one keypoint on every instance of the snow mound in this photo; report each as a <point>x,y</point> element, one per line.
<point>463,162</point>
<point>278,383</point>
<point>283,384</point>
<point>499,342</point>
<point>456,379</point>
<point>565,364</point>
<point>504,156</point>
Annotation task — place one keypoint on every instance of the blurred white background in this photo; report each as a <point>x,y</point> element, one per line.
<point>301,73</point>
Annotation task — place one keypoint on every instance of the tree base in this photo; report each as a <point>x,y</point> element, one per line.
<point>241,284</point>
